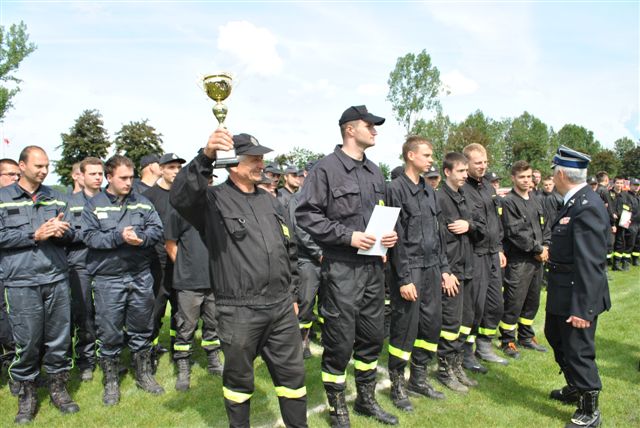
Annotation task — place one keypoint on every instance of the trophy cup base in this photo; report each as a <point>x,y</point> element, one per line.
<point>226,162</point>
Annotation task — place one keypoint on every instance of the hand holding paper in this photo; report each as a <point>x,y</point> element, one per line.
<point>381,228</point>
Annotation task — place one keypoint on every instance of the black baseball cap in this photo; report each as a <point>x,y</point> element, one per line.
<point>246,144</point>
<point>592,180</point>
<point>147,160</point>
<point>432,173</point>
<point>273,169</point>
<point>291,170</point>
<point>360,113</point>
<point>170,157</point>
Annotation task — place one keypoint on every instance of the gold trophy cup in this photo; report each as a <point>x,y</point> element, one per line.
<point>218,88</point>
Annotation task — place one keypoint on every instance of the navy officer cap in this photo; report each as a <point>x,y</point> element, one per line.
<point>360,113</point>
<point>570,158</point>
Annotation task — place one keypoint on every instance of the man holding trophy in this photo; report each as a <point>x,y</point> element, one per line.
<point>252,261</point>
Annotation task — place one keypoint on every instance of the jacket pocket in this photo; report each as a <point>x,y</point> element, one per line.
<point>236,226</point>
<point>346,199</point>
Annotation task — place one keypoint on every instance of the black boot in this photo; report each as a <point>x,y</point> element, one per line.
<point>306,350</point>
<point>447,377</point>
<point>587,414</point>
<point>338,411</point>
<point>27,402</point>
<point>367,405</point>
<point>568,394</point>
<point>626,264</point>
<point>110,380</point>
<point>418,382</point>
<point>456,362</point>
<point>214,366</point>
<point>399,390</point>
<point>617,265</point>
<point>470,362</point>
<point>59,395</point>
<point>144,377</point>
<point>184,374</point>
<point>484,351</point>
<point>635,261</point>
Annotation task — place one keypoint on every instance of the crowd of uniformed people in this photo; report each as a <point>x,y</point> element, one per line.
<point>86,274</point>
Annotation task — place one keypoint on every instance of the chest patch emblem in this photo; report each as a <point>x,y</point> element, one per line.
<point>102,215</point>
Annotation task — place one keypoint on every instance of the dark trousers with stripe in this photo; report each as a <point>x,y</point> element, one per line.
<point>83,317</point>
<point>352,305</point>
<point>123,302</point>
<point>271,332</point>
<point>620,244</point>
<point>474,298</point>
<point>632,241</point>
<point>193,305</point>
<point>494,302</point>
<point>522,285</point>
<point>40,318</point>
<point>7,347</point>
<point>415,326</point>
<point>451,339</point>
<point>163,292</point>
<point>309,272</point>
<point>574,350</point>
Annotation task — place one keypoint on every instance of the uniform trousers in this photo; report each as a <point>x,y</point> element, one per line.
<point>451,339</point>
<point>309,272</point>
<point>193,305</point>
<point>494,302</point>
<point>475,295</point>
<point>40,318</point>
<point>83,318</point>
<point>522,285</point>
<point>7,347</point>
<point>271,332</point>
<point>415,326</point>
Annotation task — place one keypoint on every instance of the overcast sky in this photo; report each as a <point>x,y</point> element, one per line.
<point>298,65</point>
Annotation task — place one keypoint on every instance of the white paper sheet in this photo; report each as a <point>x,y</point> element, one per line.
<point>383,221</point>
<point>625,219</point>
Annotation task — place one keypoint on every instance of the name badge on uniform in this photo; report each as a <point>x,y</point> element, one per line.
<point>564,220</point>
<point>102,215</point>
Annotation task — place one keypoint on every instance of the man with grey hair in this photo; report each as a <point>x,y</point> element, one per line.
<point>577,291</point>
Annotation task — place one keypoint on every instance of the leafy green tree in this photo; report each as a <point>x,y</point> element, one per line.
<point>477,128</point>
<point>414,86</point>
<point>298,156</point>
<point>622,146</point>
<point>528,138</point>
<point>604,160</point>
<point>87,137</point>
<point>138,139</point>
<point>577,138</point>
<point>630,164</point>
<point>14,47</point>
<point>385,169</point>
<point>436,131</point>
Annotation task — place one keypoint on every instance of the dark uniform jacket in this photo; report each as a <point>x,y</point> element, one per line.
<point>524,234</point>
<point>284,196</point>
<point>634,203</point>
<point>577,280</point>
<point>605,195</point>
<point>337,199</point>
<point>103,220</point>
<point>551,204</point>
<point>77,250</point>
<point>453,206</point>
<point>253,258</point>
<point>621,202</point>
<point>479,195</point>
<point>419,240</point>
<point>307,247</point>
<point>24,261</point>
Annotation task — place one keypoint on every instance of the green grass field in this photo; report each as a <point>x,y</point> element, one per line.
<point>513,396</point>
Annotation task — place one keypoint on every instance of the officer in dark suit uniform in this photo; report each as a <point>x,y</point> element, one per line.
<point>578,291</point>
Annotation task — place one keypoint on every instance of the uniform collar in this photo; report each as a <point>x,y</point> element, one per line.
<point>474,182</point>
<point>571,193</point>
<point>456,196</point>
<point>413,187</point>
<point>42,192</point>
<point>348,162</point>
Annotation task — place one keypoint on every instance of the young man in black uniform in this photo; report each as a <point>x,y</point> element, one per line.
<point>526,244</point>
<point>252,263</point>
<point>120,228</point>
<point>291,185</point>
<point>149,173</point>
<point>35,273</point>
<point>578,290</point>
<point>309,259</point>
<point>335,207</point>
<point>82,310</point>
<point>605,195</point>
<point>161,265</point>
<point>462,229</point>
<point>419,270</point>
<point>483,310</point>
<point>551,200</point>
<point>194,297</point>
<point>633,233</point>
<point>621,203</point>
